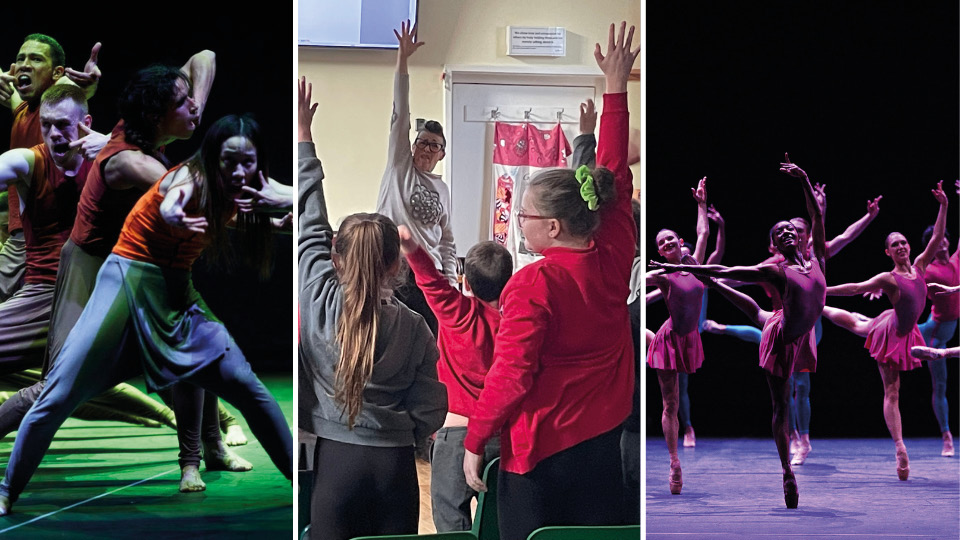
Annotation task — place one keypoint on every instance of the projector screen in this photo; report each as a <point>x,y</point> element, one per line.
<point>352,23</point>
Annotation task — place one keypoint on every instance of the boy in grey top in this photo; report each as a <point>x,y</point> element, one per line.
<point>410,194</point>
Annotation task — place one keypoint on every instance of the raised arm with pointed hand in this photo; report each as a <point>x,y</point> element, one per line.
<point>721,244</point>
<point>8,95</point>
<point>814,209</point>
<point>407,38</point>
<point>89,77</point>
<point>939,229</point>
<point>840,241</point>
<point>703,224</point>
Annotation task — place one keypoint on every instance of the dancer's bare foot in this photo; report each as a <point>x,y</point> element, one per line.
<point>221,458</point>
<point>234,436</point>
<point>5,506</point>
<point>190,480</point>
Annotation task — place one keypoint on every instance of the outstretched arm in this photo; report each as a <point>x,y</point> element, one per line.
<point>16,166</point>
<point>721,245</point>
<point>840,241</point>
<point>703,224</point>
<point>743,302</point>
<point>178,194</point>
<point>939,228</point>
<point>883,281</point>
<point>762,273</point>
<point>817,235</point>
<point>89,77</point>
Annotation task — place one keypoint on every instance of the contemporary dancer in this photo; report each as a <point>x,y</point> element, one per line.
<point>676,346</point>
<point>410,194</point>
<point>368,365</point>
<point>940,327</point>
<point>562,378</point>
<point>891,334</point>
<point>799,287</point>
<point>144,303</point>
<point>40,64</point>
<point>159,105</point>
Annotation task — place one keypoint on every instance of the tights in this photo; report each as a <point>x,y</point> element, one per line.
<point>936,335</point>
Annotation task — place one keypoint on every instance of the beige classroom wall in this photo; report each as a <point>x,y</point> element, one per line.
<point>354,87</point>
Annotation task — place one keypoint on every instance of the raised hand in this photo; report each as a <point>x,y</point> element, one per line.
<point>588,117</point>
<point>265,199</point>
<point>618,61</point>
<point>788,167</point>
<point>700,192</point>
<point>714,216</point>
<point>938,193</point>
<point>820,194</point>
<point>7,81</point>
<point>305,110</point>
<point>90,74</point>
<point>177,217</point>
<point>407,38</point>
<point>873,207</point>
<point>90,142</point>
<point>407,244</point>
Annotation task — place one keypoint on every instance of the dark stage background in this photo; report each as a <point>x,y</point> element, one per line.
<point>254,75</point>
<point>864,97</point>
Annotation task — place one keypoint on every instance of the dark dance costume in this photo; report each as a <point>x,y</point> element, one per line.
<point>893,332</point>
<point>677,345</point>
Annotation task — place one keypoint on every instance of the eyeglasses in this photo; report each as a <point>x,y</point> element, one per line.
<point>521,217</point>
<point>432,146</point>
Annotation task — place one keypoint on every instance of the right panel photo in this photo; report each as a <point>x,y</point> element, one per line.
<point>801,201</point>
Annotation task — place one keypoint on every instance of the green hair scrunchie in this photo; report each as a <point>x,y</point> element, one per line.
<point>588,191</point>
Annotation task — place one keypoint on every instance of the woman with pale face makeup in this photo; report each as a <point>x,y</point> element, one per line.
<point>798,286</point>
<point>891,334</point>
<point>144,299</point>
<point>676,346</point>
<point>562,378</point>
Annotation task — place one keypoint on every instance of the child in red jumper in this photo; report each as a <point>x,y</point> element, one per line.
<point>467,328</point>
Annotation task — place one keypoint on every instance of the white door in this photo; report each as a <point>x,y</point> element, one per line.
<point>469,170</point>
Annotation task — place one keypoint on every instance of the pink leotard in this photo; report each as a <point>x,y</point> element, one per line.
<point>944,307</point>
<point>677,344</point>
<point>787,343</point>
<point>893,332</point>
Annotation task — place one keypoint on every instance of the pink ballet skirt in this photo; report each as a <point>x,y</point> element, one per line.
<point>783,359</point>
<point>669,350</point>
<point>886,346</point>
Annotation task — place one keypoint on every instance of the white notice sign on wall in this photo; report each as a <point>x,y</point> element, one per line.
<point>536,41</point>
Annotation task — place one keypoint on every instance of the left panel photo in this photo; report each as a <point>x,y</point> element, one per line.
<point>146,273</point>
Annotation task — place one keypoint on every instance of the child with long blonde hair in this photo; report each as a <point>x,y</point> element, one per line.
<point>368,373</point>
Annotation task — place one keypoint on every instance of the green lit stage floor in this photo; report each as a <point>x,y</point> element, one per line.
<point>113,480</point>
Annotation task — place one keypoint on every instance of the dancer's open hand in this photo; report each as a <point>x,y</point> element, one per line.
<point>305,110</point>
<point>618,61</point>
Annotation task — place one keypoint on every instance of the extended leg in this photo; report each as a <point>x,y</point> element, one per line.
<point>668,421</point>
<point>852,322</point>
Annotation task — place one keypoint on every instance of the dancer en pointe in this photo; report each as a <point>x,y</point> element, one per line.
<point>676,347</point>
<point>798,285</point>
<point>892,334</point>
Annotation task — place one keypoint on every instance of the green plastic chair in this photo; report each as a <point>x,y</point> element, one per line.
<point>459,535</point>
<point>485,524</point>
<point>620,532</point>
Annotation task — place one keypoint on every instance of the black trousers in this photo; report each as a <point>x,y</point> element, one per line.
<point>363,491</point>
<point>582,485</point>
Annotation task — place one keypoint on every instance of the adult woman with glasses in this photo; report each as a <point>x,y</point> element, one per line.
<point>410,194</point>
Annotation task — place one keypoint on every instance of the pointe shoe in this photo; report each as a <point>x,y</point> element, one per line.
<point>903,463</point>
<point>690,439</point>
<point>794,441</point>
<point>947,445</point>
<point>803,450</point>
<point>791,495</point>
<point>676,478</point>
